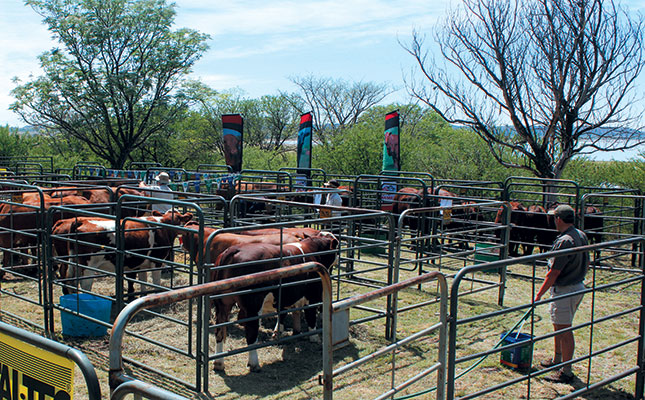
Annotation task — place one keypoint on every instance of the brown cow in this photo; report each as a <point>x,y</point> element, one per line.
<point>100,195</point>
<point>19,223</point>
<point>223,241</point>
<point>518,227</point>
<point>301,233</point>
<point>244,259</point>
<point>141,238</point>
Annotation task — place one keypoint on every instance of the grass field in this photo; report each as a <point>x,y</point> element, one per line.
<point>290,370</point>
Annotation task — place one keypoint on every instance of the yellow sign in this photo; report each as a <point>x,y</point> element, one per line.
<point>325,213</point>
<point>28,372</point>
<point>447,213</point>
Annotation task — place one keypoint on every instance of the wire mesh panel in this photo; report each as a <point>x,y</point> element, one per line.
<point>114,258</point>
<point>10,162</point>
<point>609,217</point>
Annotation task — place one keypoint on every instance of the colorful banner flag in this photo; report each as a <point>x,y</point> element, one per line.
<point>391,149</point>
<point>232,136</point>
<point>304,143</point>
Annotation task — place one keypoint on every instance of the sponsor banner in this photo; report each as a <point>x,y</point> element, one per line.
<point>304,142</point>
<point>391,145</point>
<point>29,372</point>
<point>232,136</point>
<point>300,180</point>
<point>387,195</point>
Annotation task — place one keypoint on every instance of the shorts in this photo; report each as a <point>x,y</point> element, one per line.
<point>563,310</point>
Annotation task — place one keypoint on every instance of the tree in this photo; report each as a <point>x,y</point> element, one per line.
<point>268,122</point>
<point>114,81</point>
<point>12,143</point>
<point>335,104</point>
<point>539,80</point>
<point>281,121</point>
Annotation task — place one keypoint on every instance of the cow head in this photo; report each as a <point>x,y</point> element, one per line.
<point>324,241</point>
<point>176,218</point>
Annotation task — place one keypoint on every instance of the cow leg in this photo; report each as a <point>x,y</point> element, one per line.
<point>268,306</point>
<point>222,313</point>
<point>251,330</point>
<point>297,326</point>
<point>69,273</point>
<point>131,275</point>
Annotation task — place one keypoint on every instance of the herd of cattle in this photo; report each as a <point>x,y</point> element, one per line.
<point>149,241</point>
<point>529,226</point>
<point>87,243</point>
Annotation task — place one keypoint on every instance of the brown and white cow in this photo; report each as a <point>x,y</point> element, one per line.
<point>143,239</point>
<point>243,260</point>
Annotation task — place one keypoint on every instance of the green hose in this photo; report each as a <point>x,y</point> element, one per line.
<point>481,360</point>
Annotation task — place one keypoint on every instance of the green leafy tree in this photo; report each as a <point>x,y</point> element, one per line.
<point>113,82</point>
<point>358,149</point>
<point>269,122</point>
<point>13,143</point>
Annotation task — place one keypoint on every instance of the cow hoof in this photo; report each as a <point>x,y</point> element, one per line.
<point>218,366</point>
<point>254,368</point>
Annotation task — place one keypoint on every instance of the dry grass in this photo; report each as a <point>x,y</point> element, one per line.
<point>290,370</point>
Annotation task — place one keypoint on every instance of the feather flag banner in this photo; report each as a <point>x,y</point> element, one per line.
<point>391,144</point>
<point>232,136</point>
<point>304,143</point>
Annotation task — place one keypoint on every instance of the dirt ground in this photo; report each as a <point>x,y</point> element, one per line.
<point>290,370</point>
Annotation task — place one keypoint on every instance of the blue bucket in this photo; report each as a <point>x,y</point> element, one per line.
<point>87,304</point>
<point>518,357</point>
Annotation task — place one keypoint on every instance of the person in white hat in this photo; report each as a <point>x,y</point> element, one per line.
<point>162,180</point>
<point>333,199</point>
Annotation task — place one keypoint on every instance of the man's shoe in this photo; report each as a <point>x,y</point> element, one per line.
<point>548,363</point>
<point>560,376</point>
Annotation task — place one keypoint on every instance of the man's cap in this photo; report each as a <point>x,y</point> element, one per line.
<point>163,178</point>
<point>565,212</point>
<point>332,183</point>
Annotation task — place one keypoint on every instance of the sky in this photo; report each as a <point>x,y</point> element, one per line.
<point>257,45</point>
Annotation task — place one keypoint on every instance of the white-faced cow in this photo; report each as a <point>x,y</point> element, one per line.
<point>142,240</point>
<point>243,260</point>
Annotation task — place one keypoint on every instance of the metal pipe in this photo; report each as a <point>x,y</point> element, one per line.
<point>117,374</point>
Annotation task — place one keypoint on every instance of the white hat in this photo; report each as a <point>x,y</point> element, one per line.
<point>163,178</point>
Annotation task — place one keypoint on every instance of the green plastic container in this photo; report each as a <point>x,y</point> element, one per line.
<point>378,235</point>
<point>482,255</point>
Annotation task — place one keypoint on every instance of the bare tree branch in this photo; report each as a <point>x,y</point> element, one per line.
<point>540,81</point>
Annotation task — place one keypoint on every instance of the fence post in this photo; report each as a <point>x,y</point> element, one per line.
<point>640,375</point>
